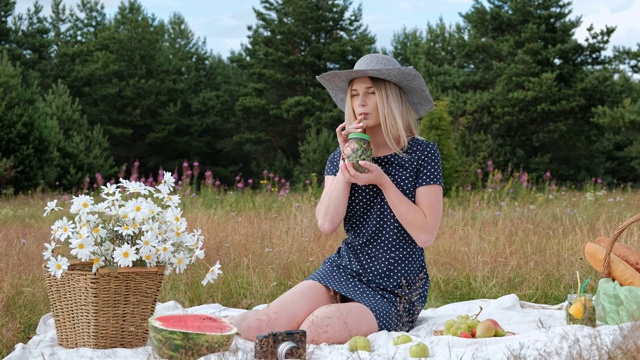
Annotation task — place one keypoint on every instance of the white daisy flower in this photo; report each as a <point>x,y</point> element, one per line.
<point>169,200</point>
<point>98,262</point>
<point>51,206</point>
<point>174,215</point>
<point>63,229</point>
<point>98,232</point>
<point>135,187</point>
<point>137,209</point>
<point>168,182</point>
<point>177,233</point>
<point>153,209</point>
<point>179,262</point>
<point>103,207</point>
<point>147,243</point>
<point>109,190</point>
<point>124,228</point>
<point>151,227</point>
<point>83,246</point>
<point>58,265</point>
<point>198,253</point>
<point>149,257</point>
<point>191,240</point>
<point>49,250</point>
<point>125,255</point>
<point>165,252</point>
<point>81,204</point>
<point>213,274</point>
<point>131,221</point>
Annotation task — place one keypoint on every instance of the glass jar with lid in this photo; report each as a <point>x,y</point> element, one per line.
<point>358,148</point>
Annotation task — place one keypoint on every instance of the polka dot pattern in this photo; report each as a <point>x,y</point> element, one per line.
<point>379,264</point>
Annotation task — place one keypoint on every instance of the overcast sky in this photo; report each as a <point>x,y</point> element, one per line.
<point>223,23</point>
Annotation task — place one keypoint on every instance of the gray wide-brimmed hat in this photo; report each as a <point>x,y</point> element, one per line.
<point>383,67</point>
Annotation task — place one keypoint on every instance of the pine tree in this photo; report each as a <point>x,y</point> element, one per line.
<point>31,45</point>
<point>7,8</point>
<point>529,87</point>
<point>292,42</point>
<point>81,151</point>
<point>27,149</point>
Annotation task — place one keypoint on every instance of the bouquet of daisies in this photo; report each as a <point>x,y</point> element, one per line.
<point>132,225</point>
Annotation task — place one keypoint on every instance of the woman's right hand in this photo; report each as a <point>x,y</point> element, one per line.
<point>343,131</point>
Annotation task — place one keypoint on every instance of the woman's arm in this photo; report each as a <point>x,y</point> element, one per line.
<point>332,206</point>
<point>422,219</point>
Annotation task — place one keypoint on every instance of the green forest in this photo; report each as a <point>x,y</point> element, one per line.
<point>85,94</point>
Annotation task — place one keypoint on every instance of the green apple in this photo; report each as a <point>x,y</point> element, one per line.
<point>402,339</point>
<point>359,343</point>
<point>419,350</point>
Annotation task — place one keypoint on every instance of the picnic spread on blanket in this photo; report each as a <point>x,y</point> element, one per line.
<point>586,325</point>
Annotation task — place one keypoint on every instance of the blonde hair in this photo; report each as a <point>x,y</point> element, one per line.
<point>398,120</point>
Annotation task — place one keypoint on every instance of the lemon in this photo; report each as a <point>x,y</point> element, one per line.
<point>587,303</point>
<point>577,309</point>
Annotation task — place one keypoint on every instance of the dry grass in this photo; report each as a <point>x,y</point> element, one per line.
<point>486,248</point>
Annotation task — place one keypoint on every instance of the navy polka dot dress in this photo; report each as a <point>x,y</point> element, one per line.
<point>379,264</point>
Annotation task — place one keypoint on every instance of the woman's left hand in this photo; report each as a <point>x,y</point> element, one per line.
<point>373,176</point>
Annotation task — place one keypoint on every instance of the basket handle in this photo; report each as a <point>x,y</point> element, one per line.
<point>612,241</point>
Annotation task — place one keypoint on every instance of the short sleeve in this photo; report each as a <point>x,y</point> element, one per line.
<point>430,166</point>
<point>333,163</point>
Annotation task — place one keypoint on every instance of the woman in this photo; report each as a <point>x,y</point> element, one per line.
<point>377,279</point>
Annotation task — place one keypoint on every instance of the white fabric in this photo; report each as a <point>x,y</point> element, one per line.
<point>541,332</point>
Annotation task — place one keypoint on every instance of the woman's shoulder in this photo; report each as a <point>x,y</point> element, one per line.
<point>418,145</point>
<point>336,154</point>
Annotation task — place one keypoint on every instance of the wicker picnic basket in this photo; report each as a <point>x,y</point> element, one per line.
<point>108,309</point>
<point>616,304</point>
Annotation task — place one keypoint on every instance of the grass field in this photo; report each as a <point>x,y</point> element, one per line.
<point>491,243</point>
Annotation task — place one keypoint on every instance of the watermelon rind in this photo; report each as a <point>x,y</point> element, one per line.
<point>175,344</point>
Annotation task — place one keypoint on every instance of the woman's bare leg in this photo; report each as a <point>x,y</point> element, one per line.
<point>286,312</point>
<point>337,323</point>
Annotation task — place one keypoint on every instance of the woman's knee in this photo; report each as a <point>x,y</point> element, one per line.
<point>337,323</point>
<point>257,322</point>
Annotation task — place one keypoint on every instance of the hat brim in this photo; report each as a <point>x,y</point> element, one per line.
<point>409,79</point>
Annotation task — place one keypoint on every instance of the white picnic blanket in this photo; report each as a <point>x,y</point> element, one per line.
<point>541,333</point>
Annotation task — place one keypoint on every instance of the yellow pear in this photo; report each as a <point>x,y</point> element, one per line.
<point>485,329</point>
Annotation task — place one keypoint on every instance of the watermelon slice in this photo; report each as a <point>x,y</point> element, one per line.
<point>189,336</point>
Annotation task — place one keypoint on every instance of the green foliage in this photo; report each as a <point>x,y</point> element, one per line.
<point>31,46</point>
<point>529,88</point>
<point>80,150</point>
<point>519,90</point>
<point>28,139</point>
<point>437,127</point>
<point>628,58</point>
<point>47,142</point>
<point>622,134</point>
<point>292,42</point>
<point>434,54</point>
<point>318,144</point>
<point>162,101</point>
<point>6,11</point>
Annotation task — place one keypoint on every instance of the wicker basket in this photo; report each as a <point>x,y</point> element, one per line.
<point>109,309</point>
<point>616,304</point>
<point>616,235</point>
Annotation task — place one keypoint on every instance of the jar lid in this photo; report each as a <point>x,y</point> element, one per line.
<point>359,136</point>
